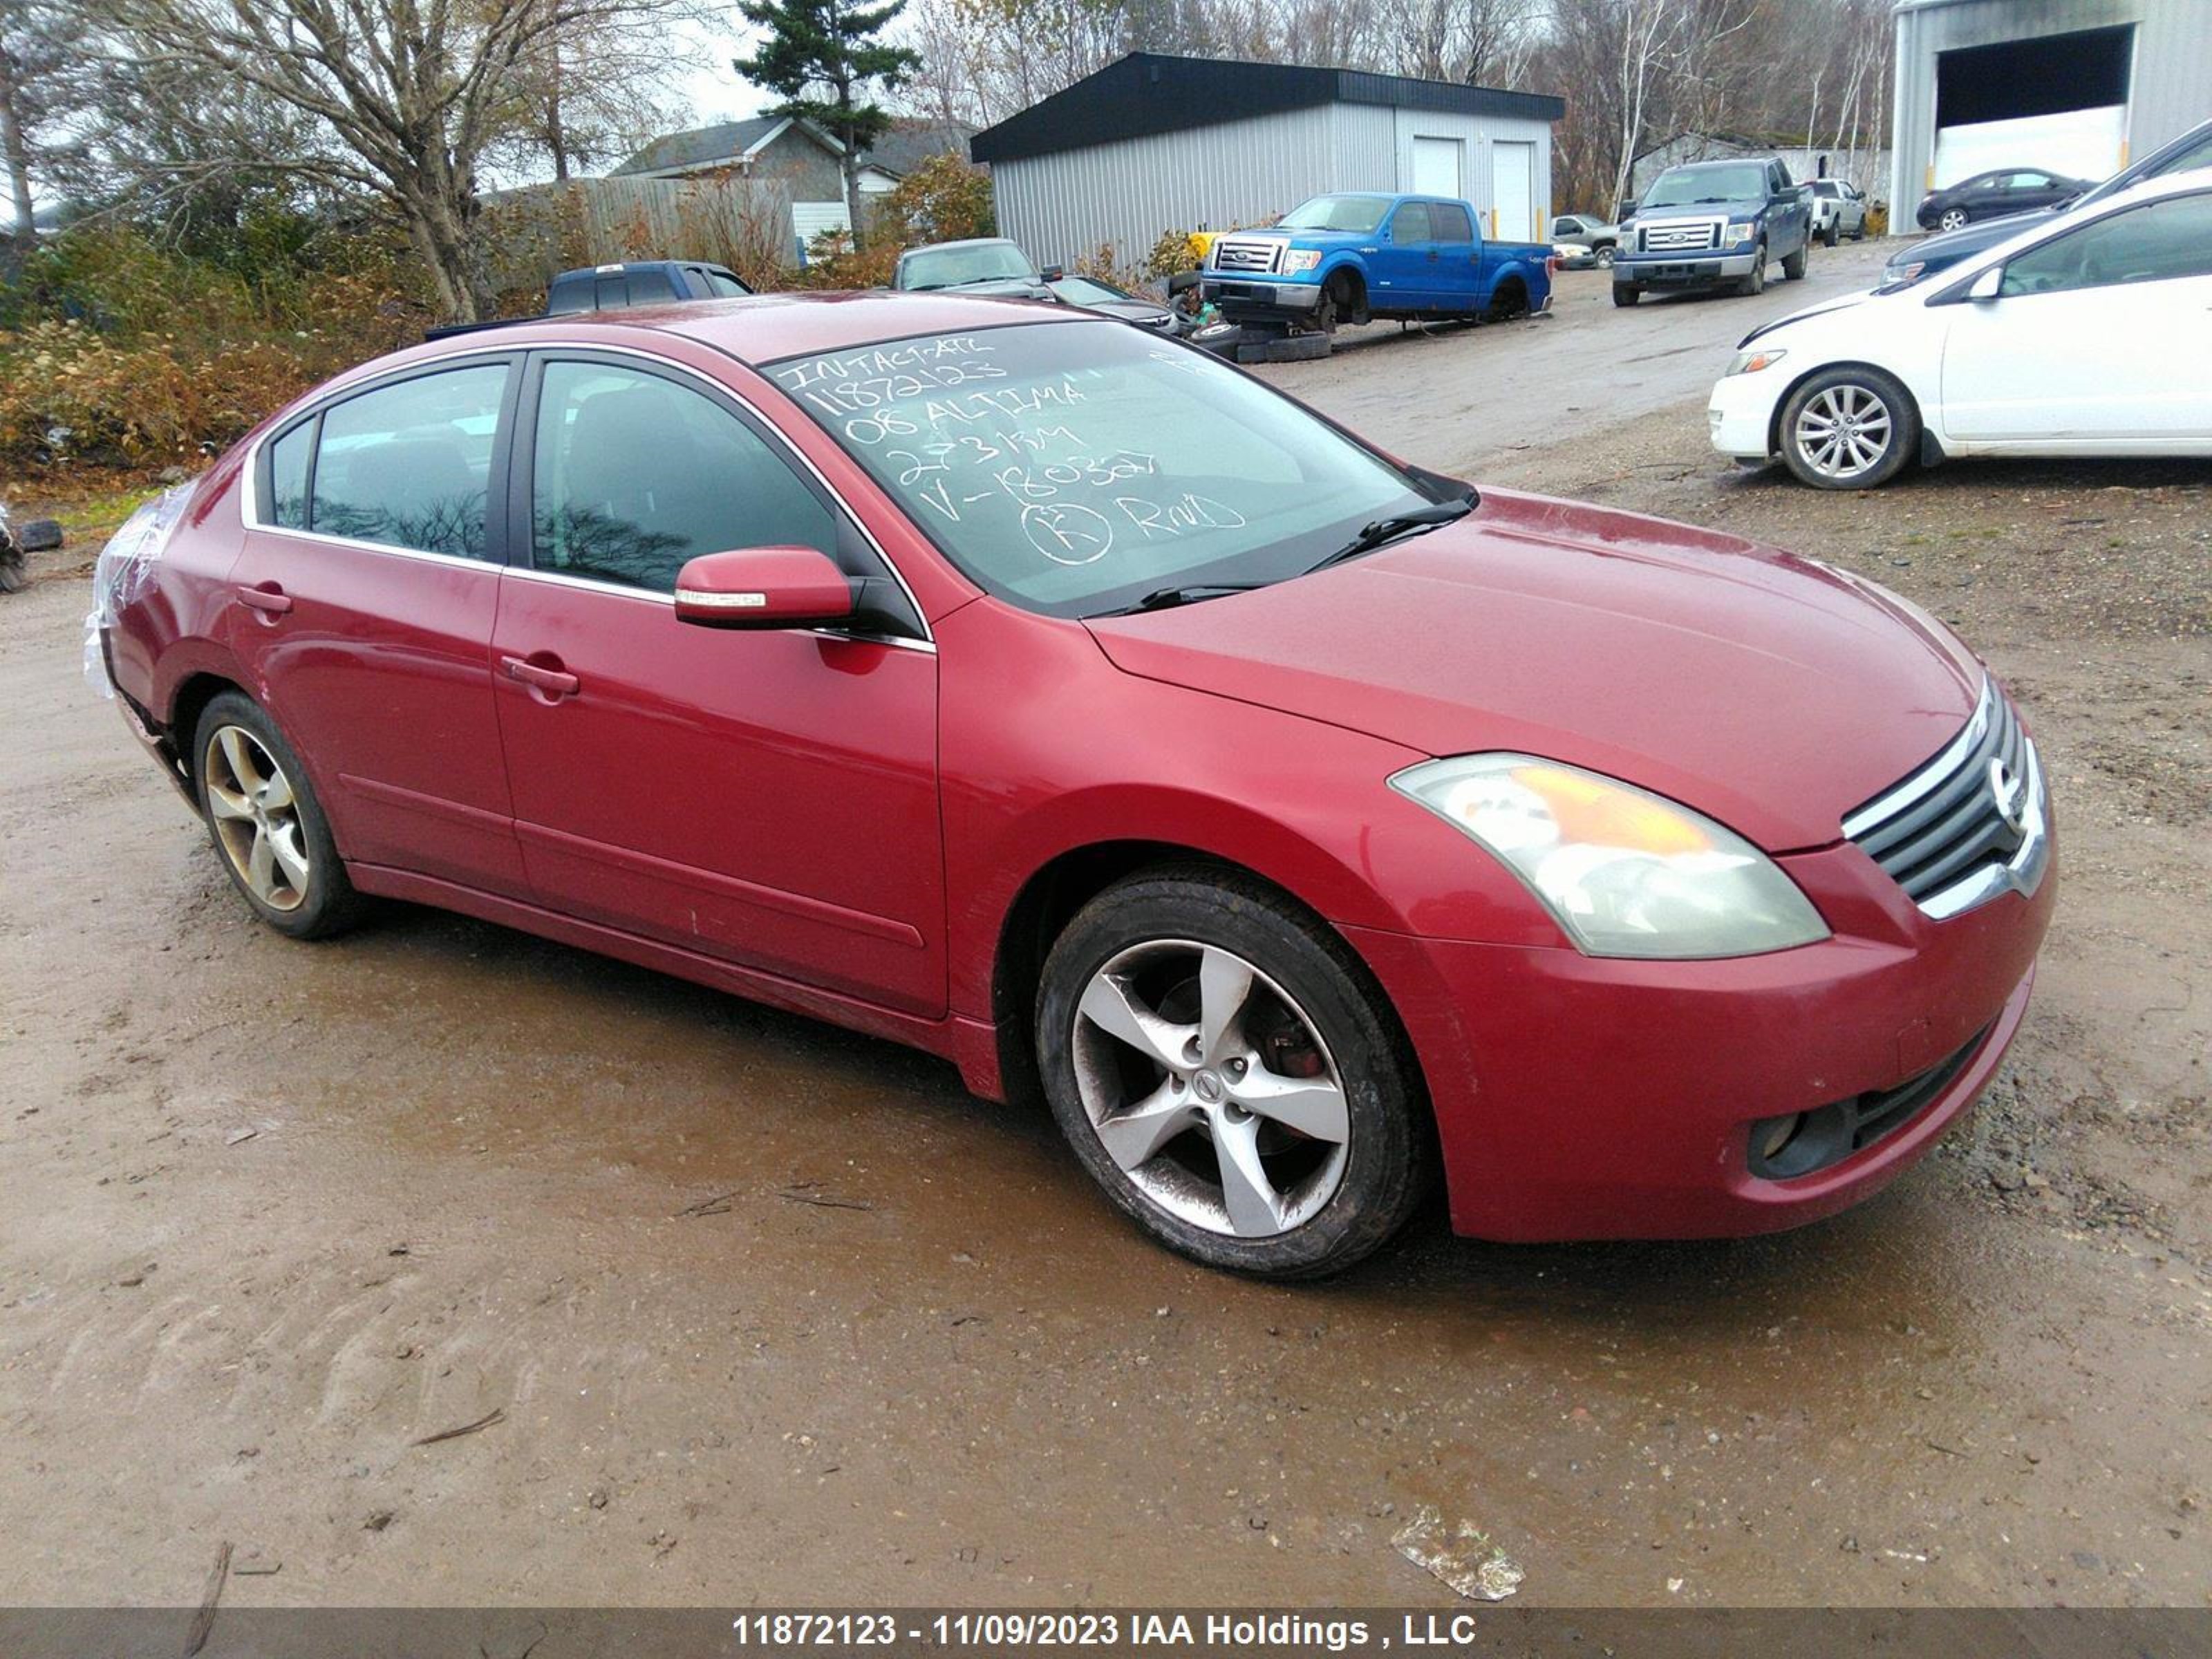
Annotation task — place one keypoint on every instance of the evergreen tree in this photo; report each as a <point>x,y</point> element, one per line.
<point>821,56</point>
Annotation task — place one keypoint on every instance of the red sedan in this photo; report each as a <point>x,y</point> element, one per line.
<point>1063,701</point>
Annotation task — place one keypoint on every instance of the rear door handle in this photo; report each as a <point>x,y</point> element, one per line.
<point>554,682</point>
<point>268,598</point>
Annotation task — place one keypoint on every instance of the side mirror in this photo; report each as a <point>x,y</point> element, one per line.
<point>1627,208</point>
<point>1987,285</point>
<point>1055,273</point>
<point>763,587</point>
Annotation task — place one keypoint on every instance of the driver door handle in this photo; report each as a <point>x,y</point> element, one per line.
<point>553,681</point>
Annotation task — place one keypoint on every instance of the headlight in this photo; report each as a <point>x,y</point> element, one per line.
<point>1739,235</point>
<point>1624,871</point>
<point>1758,357</point>
<point>1300,258</point>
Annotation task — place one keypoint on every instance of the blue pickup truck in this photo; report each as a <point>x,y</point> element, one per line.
<point>1351,258</point>
<point>1713,224</point>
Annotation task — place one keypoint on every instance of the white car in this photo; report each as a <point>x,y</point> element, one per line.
<point>2087,334</point>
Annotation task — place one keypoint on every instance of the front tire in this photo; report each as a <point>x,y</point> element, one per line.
<point>1849,427</point>
<point>1222,1068</point>
<point>1953,219</point>
<point>1626,293</point>
<point>1604,257</point>
<point>266,823</point>
<point>1756,282</point>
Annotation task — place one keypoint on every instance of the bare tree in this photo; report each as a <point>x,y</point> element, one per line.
<point>41,88</point>
<point>405,97</point>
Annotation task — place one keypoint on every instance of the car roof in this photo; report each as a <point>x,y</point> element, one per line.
<point>763,327</point>
<point>1723,162</point>
<point>2046,227</point>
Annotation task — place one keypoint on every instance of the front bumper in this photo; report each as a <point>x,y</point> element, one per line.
<point>1702,270</point>
<point>1229,292</point>
<point>1740,414</point>
<point>1583,1097</point>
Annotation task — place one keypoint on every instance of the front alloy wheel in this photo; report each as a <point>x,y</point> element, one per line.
<point>1210,1087</point>
<point>1848,428</point>
<point>1953,219</point>
<point>1226,1070</point>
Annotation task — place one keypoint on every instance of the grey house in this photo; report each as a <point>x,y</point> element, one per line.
<point>2077,86</point>
<point>797,155</point>
<point>1155,143</point>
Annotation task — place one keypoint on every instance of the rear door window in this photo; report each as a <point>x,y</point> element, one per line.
<point>1450,222</point>
<point>287,476</point>
<point>409,465</point>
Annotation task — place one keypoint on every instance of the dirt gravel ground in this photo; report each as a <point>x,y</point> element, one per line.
<point>769,1313</point>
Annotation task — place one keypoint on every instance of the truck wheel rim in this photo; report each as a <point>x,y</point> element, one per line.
<point>1843,431</point>
<point>257,817</point>
<point>1211,1089</point>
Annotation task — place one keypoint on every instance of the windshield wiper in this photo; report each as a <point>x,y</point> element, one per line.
<point>1384,530</point>
<point>1166,598</point>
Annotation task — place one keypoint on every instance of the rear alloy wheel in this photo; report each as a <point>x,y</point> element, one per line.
<point>1848,428</point>
<point>1953,219</point>
<point>1605,258</point>
<point>265,821</point>
<point>1218,1067</point>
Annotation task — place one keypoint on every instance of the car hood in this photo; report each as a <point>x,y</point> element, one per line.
<point>1769,691</point>
<point>1949,246</point>
<point>1749,208</point>
<point>1818,308</point>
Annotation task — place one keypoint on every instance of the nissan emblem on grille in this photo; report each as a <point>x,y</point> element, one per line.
<point>1967,826</point>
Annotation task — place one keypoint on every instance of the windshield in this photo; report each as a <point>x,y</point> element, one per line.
<point>1684,188</point>
<point>949,267</point>
<point>1072,468</point>
<point>1358,214</point>
<point>1082,291</point>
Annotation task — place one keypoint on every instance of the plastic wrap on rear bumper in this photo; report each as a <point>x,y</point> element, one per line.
<point>1582,1098</point>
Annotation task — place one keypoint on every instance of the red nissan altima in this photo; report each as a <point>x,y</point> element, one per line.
<point>1063,701</point>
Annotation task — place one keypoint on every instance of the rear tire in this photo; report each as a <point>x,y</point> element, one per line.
<point>1604,257</point>
<point>1151,1107</point>
<point>1793,267</point>
<point>1626,293</point>
<point>1849,427</point>
<point>1510,300</point>
<point>267,826</point>
<point>1833,234</point>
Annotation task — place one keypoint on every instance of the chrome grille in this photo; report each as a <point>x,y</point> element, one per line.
<point>1968,825</point>
<point>1246,256</point>
<point>1681,238</point>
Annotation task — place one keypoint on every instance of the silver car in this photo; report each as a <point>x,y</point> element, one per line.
<point>1584,240</point>
<point>1838,210</point>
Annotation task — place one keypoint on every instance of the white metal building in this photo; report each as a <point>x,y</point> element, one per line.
<point>2074,87</point>
<point>1154,144</point>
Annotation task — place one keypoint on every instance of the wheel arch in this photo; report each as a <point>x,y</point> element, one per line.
<point>1049,899</point>
<point>194,692</point>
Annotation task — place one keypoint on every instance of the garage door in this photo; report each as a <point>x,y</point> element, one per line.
<point>1513,187</point>
<point>1436,168</point>
<point>2055,101</point>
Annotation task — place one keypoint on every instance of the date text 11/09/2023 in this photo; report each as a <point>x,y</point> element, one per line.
<point>1021,1631</point>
